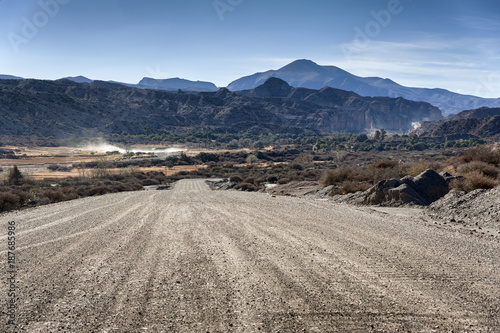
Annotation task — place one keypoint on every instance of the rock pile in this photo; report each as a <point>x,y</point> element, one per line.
<point>422,190</point>
<point>221,184</point>
<point>478,209</point>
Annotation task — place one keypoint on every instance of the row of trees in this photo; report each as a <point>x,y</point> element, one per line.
<point>380,140</point>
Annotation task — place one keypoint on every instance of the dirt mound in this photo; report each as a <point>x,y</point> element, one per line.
<point>422,190</point>
<point>477,209</point>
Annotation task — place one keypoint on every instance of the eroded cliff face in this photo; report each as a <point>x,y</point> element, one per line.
<point>65,108</point>
<point>477,123</point>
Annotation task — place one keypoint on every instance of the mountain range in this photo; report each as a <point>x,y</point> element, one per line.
<point>307,74</point>
<point>173,84</point>
<point>65,108</point>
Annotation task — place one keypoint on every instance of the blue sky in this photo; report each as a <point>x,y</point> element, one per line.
<point>425,43</point>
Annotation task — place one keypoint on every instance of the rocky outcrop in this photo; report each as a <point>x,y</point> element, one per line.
<point>477,123</point>
<point>422,190</point>
<point>220,185</point>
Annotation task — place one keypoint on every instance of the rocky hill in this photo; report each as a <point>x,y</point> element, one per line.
<point>65,108</point>
<point>481,123</point>
<point>307,74</point>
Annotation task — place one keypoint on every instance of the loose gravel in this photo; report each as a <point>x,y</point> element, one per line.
<point>195,260</point>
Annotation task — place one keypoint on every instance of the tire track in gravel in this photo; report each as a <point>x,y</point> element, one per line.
<point>391,271</point>
<point>305,287</point>
<point>41,214</point>
<point>194,260</point>
<point>69,262</point>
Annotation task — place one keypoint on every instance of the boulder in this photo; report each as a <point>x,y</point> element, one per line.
<point>431,185</point>
<point>422,190</point>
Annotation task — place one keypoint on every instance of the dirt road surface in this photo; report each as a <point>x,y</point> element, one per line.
<point>196,260</point>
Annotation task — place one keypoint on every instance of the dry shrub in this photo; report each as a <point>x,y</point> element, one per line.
<point>99,190</point>
<point>351,186</point>
<point>303,159</point>
<point>342,156</point>
<point>259,181</point>
<point>246,187</point>
<point>481,167</point>
<point>386,164</point>
<point>149,181</point>
<point>415,169</point>
<point>335,176</point>
<point>474,180</point>
<point>235,179</point>
<point>381,174</point>
<point>61,194</point>
<point>9,201</point>
<point>456,161</point>
<point>487,154</point>
<point>283,181</point>
<point>272,179</point>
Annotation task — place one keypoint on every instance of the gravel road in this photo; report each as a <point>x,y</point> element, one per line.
<point>196,260</point>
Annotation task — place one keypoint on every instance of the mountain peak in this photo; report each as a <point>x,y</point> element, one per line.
<point>302,65</point>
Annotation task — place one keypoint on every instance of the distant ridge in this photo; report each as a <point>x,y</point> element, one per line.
<point>175,84</point>
<point>478,123</point>
<point>78,79</point>
<point>307,74</point>
<point>10,77</point>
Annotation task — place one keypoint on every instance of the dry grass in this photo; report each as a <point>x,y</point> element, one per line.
<point>486,154</point>
<point>416,168</point>
<point>335,176</point>
<point>473,181</point>
<point>480,167</point>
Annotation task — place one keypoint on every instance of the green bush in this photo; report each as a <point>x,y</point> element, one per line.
<point>15,176</point>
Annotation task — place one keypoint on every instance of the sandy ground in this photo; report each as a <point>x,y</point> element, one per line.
<point>195,260</point>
